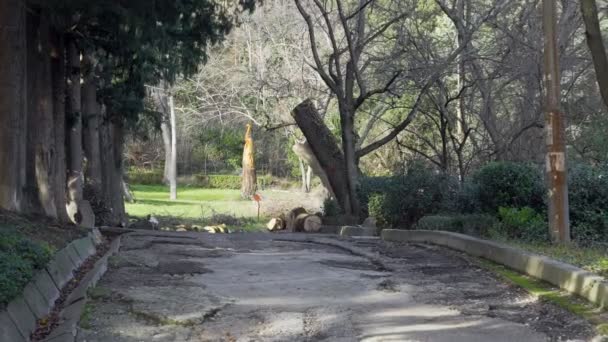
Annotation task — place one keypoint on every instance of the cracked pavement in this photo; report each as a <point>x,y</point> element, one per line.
<point>167,286</point>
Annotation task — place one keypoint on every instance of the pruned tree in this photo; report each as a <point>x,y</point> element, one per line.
<point>367,59</point>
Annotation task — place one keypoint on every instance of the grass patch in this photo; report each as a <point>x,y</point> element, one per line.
<point>546,292</point>
<point>191,203</point>
<point>202,207</point>
<point>592,259</point>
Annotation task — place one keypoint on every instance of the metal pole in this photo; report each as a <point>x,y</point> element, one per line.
<point>555,160</point>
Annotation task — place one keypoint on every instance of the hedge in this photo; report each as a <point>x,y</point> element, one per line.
<point>19,257</point>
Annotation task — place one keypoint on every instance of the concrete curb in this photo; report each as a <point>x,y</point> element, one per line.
<point>565,276</point>
<point>18,321</point>
<point>76,301</point>
<point>358,231</point>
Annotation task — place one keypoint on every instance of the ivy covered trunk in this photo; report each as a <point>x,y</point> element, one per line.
<point>249,181</point>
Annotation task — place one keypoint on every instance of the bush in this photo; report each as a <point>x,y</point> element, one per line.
<point>522,223</point>
<point>588,198</point>
<point>400,201</point>
<point>331,207</point>
<point>507,184</point>
<point>19,257</point>
<point>145,176</point>
<point>473,224</point>
<point>227,181</point>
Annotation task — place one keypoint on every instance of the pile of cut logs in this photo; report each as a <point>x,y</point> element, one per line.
<point>296,220</point>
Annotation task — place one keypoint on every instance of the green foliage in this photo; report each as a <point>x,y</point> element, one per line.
<point>522,223</point>
<point>472,224</point>
<point>507,184</point>
<point>588,199</point>
<point>400,201</point>
<point>19,257</point>
<point>331,207</point>
<point>227,181</point>
<point>145,176</point>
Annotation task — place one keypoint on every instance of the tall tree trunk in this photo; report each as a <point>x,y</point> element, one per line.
<point>43,122</point>
<point>173,165</point>
<point>325,149</point>
<point>596,45</point>
<point>308,178</point>
<point>165,130</point>
<point>31,202</point>
<point>59,95</point>
<point>75,175</point>
<point>303,175</point>
<point>350,156</point>
<point>12,101</point>
<point>91,113</point>
<point>79,210</point>
<point>117,199</point>
<point>249,181</point>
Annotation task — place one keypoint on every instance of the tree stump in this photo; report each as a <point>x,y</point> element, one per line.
<point>292,216</point>
<point>312,224</point>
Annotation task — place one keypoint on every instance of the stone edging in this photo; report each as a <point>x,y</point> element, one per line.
<point>358,231</point>
<point>565,276</point>
<point>75,303</point>
<point>18,321</point>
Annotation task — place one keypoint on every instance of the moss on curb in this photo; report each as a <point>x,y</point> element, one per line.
<point>546,292</point>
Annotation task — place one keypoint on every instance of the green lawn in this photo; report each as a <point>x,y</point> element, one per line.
<point>192,203</point>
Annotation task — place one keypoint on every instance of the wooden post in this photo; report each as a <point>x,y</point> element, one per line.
<point>173,166</point>
<point>555,161</point>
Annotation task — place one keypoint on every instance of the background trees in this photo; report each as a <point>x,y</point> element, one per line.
<point>74,76</point>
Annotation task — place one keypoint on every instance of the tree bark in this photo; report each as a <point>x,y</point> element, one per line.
<point>596,45</point>
<point>117,200</point>
<point>166,134</point>
<point>75,175</point>
<point>173,166</point>
<point>40,118</point>
<point>59,158</point>
<point>249,181</point>
<point>91,113</point>
<point>351,161</point>
<point>12,102</point>
<point>326,150</point>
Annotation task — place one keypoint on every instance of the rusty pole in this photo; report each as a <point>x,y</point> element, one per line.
<point>555,160</point>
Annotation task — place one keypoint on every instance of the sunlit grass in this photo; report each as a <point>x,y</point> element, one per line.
<point>545,292</point>
<point>191,203</point>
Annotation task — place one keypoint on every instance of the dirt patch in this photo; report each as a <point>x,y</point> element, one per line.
<point>41,228</point>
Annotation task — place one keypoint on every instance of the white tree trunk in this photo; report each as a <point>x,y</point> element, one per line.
<point>173,166</point>
<point>165,130</point>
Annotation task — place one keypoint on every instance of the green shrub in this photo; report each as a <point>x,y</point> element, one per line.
<point>19,257</point>
<point>15,272</point>
<point>506,184</point>
<point>588,199</point>
<point>228,181</point>
<point>522,223</point>
<point>145,176</point>
<point>400,201</point>
<point>472,224</point>
<point>331,207</point>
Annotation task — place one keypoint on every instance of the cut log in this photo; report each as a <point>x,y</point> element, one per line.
<point>312,224</point>
<point>292,216</point>
<point>275,224</point>
<point>298,225</point>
